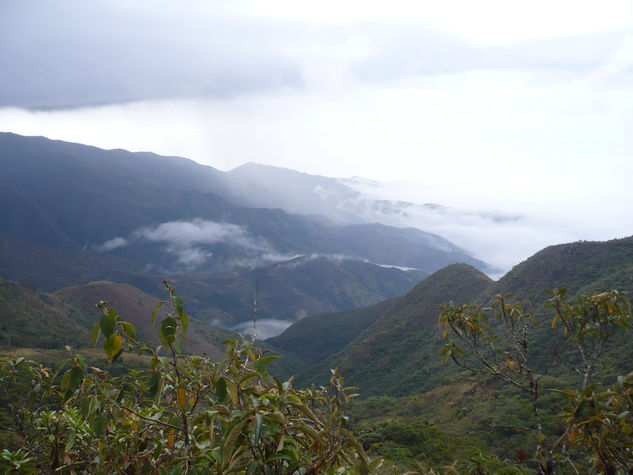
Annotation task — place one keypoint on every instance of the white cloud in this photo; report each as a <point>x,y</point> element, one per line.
<point>199,231</point>
<point>266,327</point>
<point>111,244</point>
<point>186,240</point>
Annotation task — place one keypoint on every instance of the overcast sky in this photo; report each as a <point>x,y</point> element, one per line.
<point>524,107</point>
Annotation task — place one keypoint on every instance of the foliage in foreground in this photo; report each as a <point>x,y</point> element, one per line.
<point>187,414</point>
<point>183,414</point>
<point>596,433</point>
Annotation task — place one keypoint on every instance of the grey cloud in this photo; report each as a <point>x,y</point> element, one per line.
<point>77,54</point>
<point>74,54</point>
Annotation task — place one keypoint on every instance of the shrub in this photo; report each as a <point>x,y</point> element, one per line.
<point>182,414</point>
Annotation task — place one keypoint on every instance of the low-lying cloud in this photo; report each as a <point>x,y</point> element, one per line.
<point>266,328</point>
<point>500,238</point>
<point>188,241</point>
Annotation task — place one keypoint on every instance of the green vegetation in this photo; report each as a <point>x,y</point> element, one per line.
<point>316,337</point>
<point>497,342</point>
<point>397,354</point>
<point>182,414</point>
<point>561,406</point>
<point>32,319</point>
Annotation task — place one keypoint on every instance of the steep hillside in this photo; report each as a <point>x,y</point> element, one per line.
<point>136,307</point>
<point>581,267</point>
<point>316,337</point>
<point>29,318</point>
<point>287,290</point>
<point>399,353</point>
<point>37,320</point>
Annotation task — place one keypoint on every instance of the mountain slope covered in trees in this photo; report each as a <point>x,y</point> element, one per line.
<point>402,347</point>
<point>34,319</point>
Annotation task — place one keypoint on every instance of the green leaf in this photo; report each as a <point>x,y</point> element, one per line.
<point>220,389</point>
<point>98,425</point>
<point>258,427</point>
<point>232,390</point>
<point>184,322</point>
<point>65,382</point>
<point>107,325</point>
<point>252,467</point>
<point>155,382</point>
<point>178,305</point>
<point>129,330</point>
<point>167,330</point>
<point>76,375</point>
<point>71,442</point>
<point>116,356</point>
<point>310,432</point>
<point>94,333</point>
<point>260,364</point>
<point>113,346</point>
<point>156,309</point>
<point>85,408</point>
<point>276,416</point>
<point>230,440</point>
<point>177,346</point>
<point>182,315</point>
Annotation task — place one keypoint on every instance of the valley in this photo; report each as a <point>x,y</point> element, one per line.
<point>80,225</point>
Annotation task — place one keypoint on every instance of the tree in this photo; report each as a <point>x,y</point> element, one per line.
<point>495,341</point>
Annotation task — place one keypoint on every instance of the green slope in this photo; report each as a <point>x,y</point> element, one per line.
<point>316,337</point>
<point>582,267</point>
<point>29,318</point>
<point>32,319</point>
<point>399,353</point>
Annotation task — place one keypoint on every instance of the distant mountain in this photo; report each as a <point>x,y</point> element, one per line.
<point>71,214</point>
<point>275,187</point>
<point>288,291</point>
<point>357,200</point>
<point>398,352</point>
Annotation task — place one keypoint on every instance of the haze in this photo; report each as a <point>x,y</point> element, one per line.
<point>523,109</point>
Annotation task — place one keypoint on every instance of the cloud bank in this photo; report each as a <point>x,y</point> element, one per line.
<point>187,241</point>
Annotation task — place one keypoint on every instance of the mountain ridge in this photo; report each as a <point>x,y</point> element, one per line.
<point>399,353</point>
<point>71,213</point>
